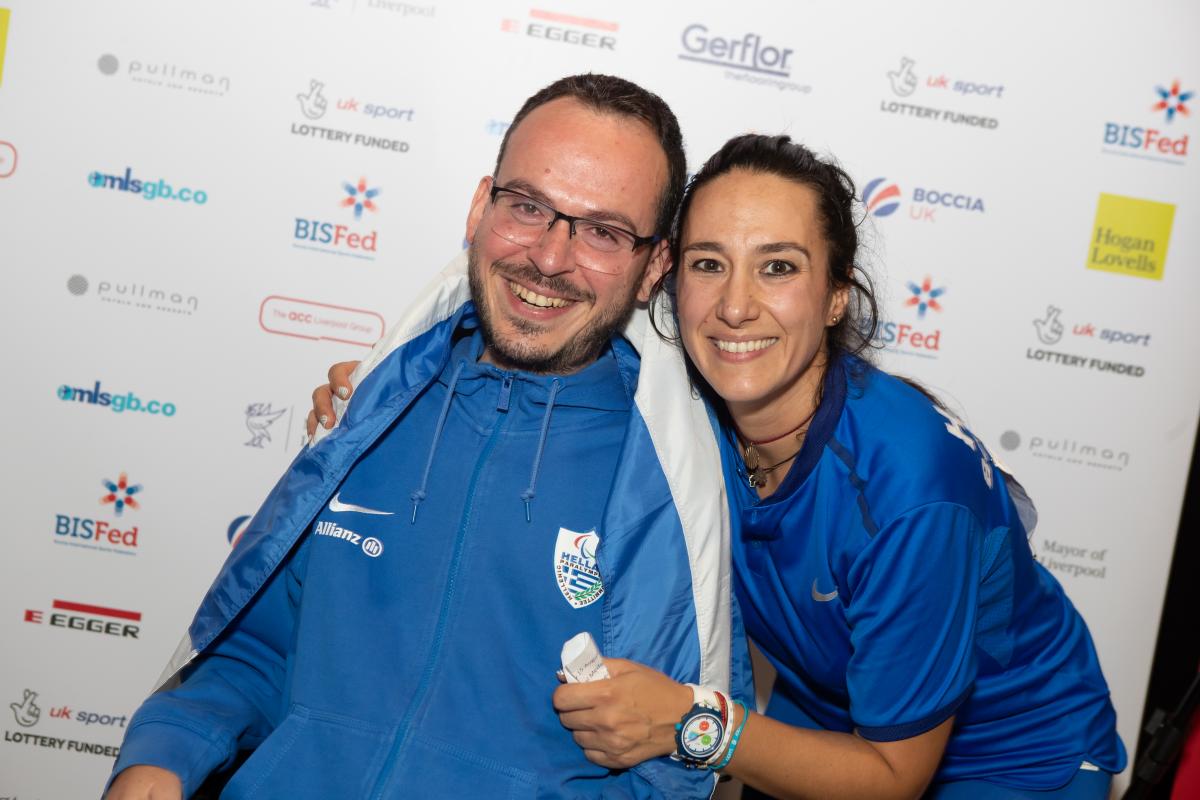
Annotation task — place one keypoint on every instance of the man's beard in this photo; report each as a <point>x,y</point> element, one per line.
<point>519,351</point>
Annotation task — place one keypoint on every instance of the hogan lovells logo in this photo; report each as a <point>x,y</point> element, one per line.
<point>1130,236</point>
<point>882,198</point>
<point>113,536</point>
<point>554,26</point>
<point>1166,144</point>
<point>340,238</point>
<point>744,57</point>
<point>313,105</point>
<point>904,82</point>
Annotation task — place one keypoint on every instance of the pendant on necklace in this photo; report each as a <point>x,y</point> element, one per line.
<point>754,476</point>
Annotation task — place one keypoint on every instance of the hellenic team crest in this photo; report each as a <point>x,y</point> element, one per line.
<point>575,567</point>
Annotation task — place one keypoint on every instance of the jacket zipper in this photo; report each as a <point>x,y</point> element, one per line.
<point>402,732</point>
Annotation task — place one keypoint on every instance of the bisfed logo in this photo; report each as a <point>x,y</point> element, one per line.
<point>1067,450</point>
<point>131,294</point>
<point>87,618</point>
<point>165,75</point>
<point>553,26</point>
<point>746,57</point>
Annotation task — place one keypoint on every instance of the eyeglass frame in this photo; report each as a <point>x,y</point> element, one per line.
<point>638,241</point>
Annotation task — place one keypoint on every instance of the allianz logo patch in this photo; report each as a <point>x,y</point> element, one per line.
<point>370,545</point>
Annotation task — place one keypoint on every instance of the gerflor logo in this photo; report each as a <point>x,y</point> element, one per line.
<point>746,57</point>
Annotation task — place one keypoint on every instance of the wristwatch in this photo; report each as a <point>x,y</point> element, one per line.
<point>700,733</point>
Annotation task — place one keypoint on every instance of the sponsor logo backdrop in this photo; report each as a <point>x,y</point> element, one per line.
<point>203,205</point>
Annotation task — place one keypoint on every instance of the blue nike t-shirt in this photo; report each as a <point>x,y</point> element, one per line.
<point>890,582</point>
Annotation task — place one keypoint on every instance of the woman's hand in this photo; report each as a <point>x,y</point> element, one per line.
<point>322,410</point>
<point>626,719</point>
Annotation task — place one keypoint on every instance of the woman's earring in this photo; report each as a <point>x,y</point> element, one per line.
<point>835,320</point>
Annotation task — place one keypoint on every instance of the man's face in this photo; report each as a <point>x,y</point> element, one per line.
<point>540,310</point>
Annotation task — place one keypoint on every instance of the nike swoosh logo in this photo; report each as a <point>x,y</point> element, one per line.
<point>336,504</point>
<point>822,597</point>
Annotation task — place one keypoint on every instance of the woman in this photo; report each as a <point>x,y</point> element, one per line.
<point>882,565</point>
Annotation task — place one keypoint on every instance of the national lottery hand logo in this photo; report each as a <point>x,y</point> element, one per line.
<point>118,402</point>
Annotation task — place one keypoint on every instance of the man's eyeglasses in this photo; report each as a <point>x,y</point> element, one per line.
<point>522,220</point>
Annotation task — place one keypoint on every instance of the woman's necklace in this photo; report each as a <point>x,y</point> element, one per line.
<point>756,474</point>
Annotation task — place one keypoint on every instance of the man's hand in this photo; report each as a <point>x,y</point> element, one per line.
<point>322,396</point>
<point>144,782</point>
<point>626,719</point>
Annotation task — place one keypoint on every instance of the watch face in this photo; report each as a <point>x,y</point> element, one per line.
<point>701,735</point>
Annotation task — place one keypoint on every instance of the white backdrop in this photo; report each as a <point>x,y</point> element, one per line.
<point>173,237</point>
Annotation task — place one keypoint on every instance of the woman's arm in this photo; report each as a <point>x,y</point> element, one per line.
<point>631,717</point>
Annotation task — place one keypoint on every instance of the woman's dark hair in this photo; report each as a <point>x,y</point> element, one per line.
<point>779,155</point>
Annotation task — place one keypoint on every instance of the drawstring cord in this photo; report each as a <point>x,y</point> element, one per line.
<point>529,493</point>
<point>419,494</point>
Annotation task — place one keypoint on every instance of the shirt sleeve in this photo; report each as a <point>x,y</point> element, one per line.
<point>914,596</point>
<point>232,698</point>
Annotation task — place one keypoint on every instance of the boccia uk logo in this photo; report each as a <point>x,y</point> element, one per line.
<point>882,197</point>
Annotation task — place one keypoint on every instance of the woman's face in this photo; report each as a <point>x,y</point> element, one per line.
<point>754,296</point>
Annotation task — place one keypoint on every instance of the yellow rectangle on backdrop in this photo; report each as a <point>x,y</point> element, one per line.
<point>1130,236</point>
<point>3,39</point>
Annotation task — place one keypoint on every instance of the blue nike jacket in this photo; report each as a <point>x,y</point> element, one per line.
<point>663,561</point>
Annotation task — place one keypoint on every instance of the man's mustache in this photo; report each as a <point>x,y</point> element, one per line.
<point>530,276</point>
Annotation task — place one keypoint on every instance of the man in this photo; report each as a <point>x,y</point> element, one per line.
<point>506,476</point>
